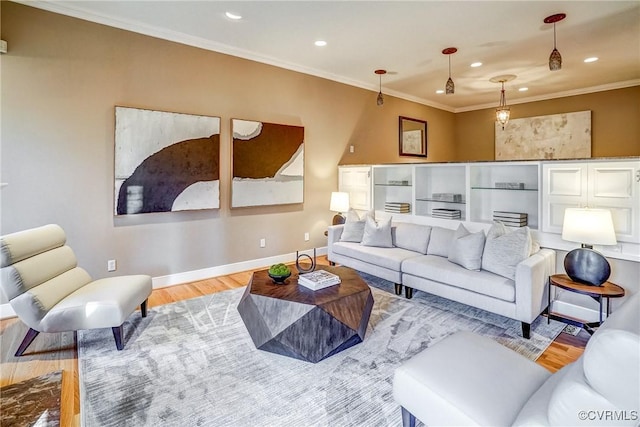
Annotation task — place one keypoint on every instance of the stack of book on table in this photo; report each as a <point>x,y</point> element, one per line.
<point>446,213</point>
<point>512,219</point>
<point>397,207</point>
<point>318,279</point>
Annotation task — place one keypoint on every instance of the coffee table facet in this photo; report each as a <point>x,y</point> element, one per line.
<point>295,321</point>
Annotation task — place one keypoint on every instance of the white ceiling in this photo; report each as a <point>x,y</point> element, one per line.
<point>406,38</point>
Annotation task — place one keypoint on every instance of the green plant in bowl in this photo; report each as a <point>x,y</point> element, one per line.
<point>279,272</point>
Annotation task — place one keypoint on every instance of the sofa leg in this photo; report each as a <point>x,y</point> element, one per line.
<point>408,419</point>
<point>117,334</point>
<point>143,308</point>
<point>331,263</point>
<point>408,292</point>
<point>398,289</point>
<point>526,330</point>
<point>27,340</point>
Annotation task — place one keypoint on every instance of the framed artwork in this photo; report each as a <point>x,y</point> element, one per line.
<point>165,161</point>
<point>412,137</point>
<point>557,136</point>
<point>267,164</point>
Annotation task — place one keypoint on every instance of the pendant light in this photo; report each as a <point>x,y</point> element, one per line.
<point>502,112</point>
<point>380,99</point>
<point>450,87</point>
<point>555,59</point>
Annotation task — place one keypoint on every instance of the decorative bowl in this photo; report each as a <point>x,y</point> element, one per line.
<point>279,278</point>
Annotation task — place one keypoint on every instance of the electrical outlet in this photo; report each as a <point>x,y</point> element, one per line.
<point>306,237</point>
<point>111,265</point>
<point>263,243</point>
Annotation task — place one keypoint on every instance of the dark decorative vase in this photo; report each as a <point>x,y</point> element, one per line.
<point>587,266</point>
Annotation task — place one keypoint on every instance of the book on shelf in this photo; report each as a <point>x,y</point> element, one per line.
<point>318,279</point>
<point>514,223</point>
<point>397,207</point>
<point>511,215</point>
<point>446,213</point>
<point>447,197</point>
<point>510,185</point>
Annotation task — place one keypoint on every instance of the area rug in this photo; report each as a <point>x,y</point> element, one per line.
<point>192,363</point>
<point>33,402</point>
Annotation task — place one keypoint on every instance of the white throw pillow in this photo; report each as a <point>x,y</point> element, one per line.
<point>354,226</point>
<point>413,237</point>
<point>377,233</point>
<point>466,248</point>
<point>505,249</point>
<point>440,241</point>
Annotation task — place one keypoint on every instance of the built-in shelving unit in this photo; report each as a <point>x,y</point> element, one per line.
<point>441,187</point>
<point>393,184</point>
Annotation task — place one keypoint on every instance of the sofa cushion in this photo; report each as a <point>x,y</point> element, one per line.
<point>439,269</point>
<point>466,248</point>
<point>390,258</point>
<point>440,241</point>
<point>505,249</point>
<point>412,237</point>
<point>377,233</point>
<point>354,226</point>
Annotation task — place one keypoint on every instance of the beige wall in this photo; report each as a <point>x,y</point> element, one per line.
<point>61,80</point>
<point>615,123</point>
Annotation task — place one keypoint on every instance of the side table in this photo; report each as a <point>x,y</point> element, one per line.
<point>606,291</point>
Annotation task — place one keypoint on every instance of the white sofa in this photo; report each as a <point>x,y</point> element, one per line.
<point>468,379</point>
<point>428,259</point>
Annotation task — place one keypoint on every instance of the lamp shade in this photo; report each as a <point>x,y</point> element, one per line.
<point>588,226</point>
<point>339,202</point>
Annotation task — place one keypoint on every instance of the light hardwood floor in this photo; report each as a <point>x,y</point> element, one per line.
<point>54,352</point>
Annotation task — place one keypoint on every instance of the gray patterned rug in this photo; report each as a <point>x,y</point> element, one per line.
<point>192,363</point>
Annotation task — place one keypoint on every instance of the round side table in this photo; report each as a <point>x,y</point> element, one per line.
<point>606,291</point>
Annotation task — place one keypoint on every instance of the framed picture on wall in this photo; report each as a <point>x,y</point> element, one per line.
<point>165,162</point>
<point>267,164</point>
<point>412,137</point>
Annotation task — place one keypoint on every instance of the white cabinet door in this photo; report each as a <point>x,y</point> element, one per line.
<point>609,184</point>
<point>564,186</point>
<point>614,186</point>
<point>356,180</point>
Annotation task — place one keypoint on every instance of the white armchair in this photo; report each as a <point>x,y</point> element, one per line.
<point>41,280</point>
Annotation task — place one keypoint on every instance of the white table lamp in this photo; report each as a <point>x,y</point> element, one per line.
<point>339,203</point>
<point>588,227</point>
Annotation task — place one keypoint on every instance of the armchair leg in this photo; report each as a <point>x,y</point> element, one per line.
<point>526,330</point>
<point>117,334</point>
<point>143,308</point>
<point>408,419</point>
<point>408,292</point>
<point>398,288</point>
<point>26,341</point>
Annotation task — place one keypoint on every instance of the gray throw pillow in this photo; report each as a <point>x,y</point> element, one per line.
<point>505,249</point>
<point>354,227</point>
<point>440,241</point>
<point>466,248</point>
<point>412,237</point>
<point>377,233</point>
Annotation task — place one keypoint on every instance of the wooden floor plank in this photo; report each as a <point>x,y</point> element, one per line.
<point>53,352</point>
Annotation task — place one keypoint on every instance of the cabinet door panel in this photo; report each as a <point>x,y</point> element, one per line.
<point>564,186</point>
<point>566,182</point>
<point>611,183</point>
<point>554,216</point>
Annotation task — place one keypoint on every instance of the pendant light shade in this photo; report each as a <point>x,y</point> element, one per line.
<point>380,99</point>
<point>555,59</point>
<point>450,87</point>
<point>503,111</point>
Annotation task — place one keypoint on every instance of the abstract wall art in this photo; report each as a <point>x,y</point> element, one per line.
<point>268,164</point>
<point>165,161</point>
<point>557,136</point>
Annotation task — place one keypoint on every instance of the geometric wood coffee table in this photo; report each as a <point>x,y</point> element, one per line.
<point>295,321</point>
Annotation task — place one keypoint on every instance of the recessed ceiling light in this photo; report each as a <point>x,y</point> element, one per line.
<point>592,59</point>
<point>440,91</point>
<point>523,89</point>
<point>320,43</point>
<point>476,64</point>
<point>233,16</point>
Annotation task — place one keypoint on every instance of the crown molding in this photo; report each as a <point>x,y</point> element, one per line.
<point>574,92</point>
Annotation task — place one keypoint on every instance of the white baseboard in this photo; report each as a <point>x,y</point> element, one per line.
<point>191,276</point>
